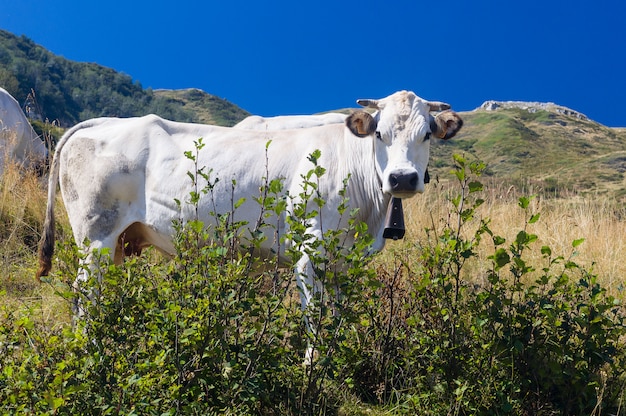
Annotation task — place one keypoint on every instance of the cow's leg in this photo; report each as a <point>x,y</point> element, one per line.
<point>84,271</point>
<point>90,266</point>
<point>309,287</point>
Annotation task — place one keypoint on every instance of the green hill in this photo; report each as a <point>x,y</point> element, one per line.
<point>69,92</point>
<point>541,150</point>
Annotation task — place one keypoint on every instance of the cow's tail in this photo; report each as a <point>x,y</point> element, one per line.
<point>46,244</point>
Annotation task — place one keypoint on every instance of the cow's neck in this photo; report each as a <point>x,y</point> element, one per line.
<point>365,188</point>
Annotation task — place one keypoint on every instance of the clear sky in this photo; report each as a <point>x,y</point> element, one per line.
<point>300,57</point>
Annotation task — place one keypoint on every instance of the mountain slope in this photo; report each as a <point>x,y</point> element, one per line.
<point>69,92</point>
<point>546,150</point>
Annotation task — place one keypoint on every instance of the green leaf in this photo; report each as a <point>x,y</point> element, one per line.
<point>501,258</point>
<point>523,202</point>
<point>240,202</point>
<point>314,157</point>
<point>578,242</point>
<point>475,186</point>
<point>460,160</point>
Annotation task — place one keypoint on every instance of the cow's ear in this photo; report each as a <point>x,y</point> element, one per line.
<point>445,124</point>
<point>361,123</point>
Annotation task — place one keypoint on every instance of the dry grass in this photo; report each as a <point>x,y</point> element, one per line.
<point>600,221</point>
<point>22,211</point>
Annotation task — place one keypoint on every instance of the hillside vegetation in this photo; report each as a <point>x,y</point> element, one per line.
<point>68,92</point>
<point>541,151</point>
<point>204,108</point>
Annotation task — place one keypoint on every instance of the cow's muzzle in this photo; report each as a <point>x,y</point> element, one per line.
<point>402,182</point>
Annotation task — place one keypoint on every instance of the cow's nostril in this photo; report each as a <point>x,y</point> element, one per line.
<point>393,181</point>
<point>413,178</point>
<point>404,182</point>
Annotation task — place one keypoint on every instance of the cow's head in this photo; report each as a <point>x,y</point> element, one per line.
<point>404,125</point>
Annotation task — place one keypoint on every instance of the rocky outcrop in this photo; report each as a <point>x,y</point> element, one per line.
<point>531,107</point>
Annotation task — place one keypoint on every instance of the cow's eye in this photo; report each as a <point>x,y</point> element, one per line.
<point>378,136</point>
<point>427,137</point>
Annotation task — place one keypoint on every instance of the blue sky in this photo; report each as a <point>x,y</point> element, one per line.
<point>291,57</point>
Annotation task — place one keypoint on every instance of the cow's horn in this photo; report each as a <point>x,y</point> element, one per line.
<point>368,103</point>
<point>438,106</point>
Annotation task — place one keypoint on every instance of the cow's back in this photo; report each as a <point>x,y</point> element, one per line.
<point>289,122</point>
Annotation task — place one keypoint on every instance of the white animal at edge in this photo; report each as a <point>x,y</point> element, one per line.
<point>18,141</point>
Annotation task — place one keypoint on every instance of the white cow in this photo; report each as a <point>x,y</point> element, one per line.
<point>18,141</point>
<point>289,122</point>
<point>120,178</point>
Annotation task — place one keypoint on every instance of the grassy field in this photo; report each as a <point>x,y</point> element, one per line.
<point>558,222</point>
<point>22,212</point>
